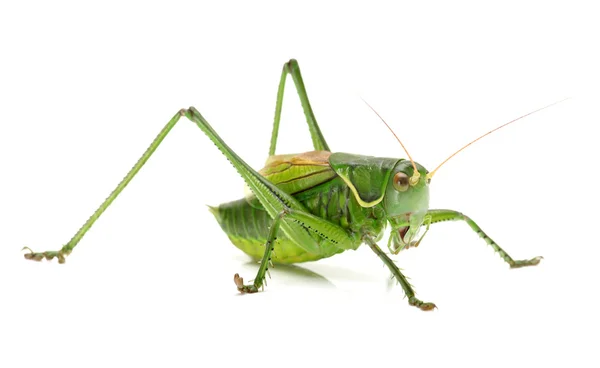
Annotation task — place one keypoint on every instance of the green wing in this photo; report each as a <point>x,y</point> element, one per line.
<point>366,176</point>
<point>294,173</point>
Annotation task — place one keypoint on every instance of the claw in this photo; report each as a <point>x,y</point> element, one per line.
<point>33,256</point>
<point>49,255</point>
<point>428,306</point>
<point>535,261</point>
<point>421,305</point>
<point>527,262</point>
<point>239,282</point>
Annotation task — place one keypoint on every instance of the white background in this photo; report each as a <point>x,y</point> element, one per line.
<point>84,89</point>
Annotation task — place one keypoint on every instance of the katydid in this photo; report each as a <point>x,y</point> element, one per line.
<point>313,205</point>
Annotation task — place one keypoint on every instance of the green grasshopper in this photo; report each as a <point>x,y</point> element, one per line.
<point>313,205</point>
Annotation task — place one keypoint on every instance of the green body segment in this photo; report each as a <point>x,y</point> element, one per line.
<point>323,194</point>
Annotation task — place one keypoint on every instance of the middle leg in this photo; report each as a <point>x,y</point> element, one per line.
<point>408,289</point>
<point>265,262</point>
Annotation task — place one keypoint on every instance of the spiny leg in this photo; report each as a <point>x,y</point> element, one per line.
<point>449,215</point>
<point>68,248</point>
<point>292,67</point>
<point>264,264</point>
<point>273,199</point>
<point>195,117</point>
<point>322,228</point>
<point>408,290</point>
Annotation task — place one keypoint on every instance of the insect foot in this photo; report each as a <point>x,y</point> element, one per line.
<point>239,282</point>
<point>419,304</point>
<point>49,255</point>
<point>526,262</point>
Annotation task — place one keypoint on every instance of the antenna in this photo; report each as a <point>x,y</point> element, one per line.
<point>430,175</point>
<point>416,175</point>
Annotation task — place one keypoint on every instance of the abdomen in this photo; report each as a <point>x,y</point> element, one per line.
<point>247,227</point>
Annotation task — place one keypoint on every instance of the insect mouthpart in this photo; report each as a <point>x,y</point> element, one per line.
<point>402,238</point>
<point>402,231</point>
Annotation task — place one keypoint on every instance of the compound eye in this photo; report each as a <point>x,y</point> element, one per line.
<point>401,182</point>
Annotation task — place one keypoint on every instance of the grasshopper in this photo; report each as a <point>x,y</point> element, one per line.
<point>313,205</point>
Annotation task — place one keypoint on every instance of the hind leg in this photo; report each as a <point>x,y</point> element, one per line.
<point>292,68</point>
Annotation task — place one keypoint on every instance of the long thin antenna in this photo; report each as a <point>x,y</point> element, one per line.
<point>430,175</point>
<point>416,175</point>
